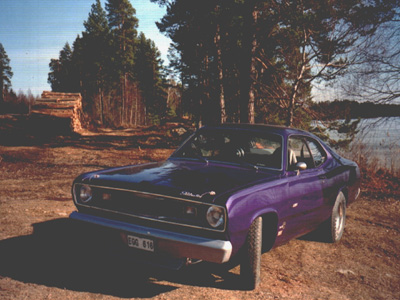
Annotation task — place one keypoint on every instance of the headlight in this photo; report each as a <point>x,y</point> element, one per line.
<point>215,216</point>
<point>85,193</point>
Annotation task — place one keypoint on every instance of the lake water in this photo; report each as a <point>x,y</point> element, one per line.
<point>377,143</point>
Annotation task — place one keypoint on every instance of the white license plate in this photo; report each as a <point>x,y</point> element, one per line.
<point>140,243</point>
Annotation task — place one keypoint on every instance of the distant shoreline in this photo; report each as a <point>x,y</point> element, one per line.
<point>346,109</point>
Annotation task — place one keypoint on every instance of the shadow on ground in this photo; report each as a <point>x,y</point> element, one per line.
<point>62,253</point>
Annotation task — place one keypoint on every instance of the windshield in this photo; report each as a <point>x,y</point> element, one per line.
<point>234,146</point>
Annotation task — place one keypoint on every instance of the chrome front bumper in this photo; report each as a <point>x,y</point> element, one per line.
<point>175,244</point>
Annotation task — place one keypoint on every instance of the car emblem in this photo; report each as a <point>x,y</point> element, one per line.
<point>189,194</point>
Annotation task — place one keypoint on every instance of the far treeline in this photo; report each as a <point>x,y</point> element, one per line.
<point>348,110</point>
<point>244,61</point>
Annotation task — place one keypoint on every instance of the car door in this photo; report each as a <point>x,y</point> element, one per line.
<point>305,188</point>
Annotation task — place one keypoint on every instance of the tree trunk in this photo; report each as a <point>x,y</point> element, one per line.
<point>133,96</point>
<point>217,42</point>
<point>101,106</point>
<point>249,72</point>
<point>122,101</point>
<point>296,86</point>
<point>1,94</point>
<point>293,96</point>
<point>220,75</point>
<point>207,113</point>
<point>253,70</point>
<point>136,105</point>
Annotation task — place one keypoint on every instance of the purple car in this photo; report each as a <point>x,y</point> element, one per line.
<point>228,192</point>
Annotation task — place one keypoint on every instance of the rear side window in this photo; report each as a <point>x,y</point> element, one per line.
<point>318,154</point>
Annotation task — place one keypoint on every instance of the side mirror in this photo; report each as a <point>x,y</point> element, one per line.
<point>301,166</point>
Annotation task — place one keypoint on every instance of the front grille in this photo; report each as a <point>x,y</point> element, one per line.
<point>160,208</point>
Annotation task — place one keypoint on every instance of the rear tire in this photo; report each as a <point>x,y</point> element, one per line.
<point>250,267</point>
<point>338,219</point>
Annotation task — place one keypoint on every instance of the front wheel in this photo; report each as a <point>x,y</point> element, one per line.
<point>250,267</point>
<point>338,219</point>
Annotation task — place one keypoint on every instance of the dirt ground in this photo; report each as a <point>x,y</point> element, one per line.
<point>45,255</point>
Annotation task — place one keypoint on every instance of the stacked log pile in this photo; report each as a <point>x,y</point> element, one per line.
<point>62,105</point>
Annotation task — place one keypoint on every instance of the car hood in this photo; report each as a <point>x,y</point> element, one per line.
<point>179,178</point>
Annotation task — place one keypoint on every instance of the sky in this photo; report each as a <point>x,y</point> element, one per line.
<point>34,31</point>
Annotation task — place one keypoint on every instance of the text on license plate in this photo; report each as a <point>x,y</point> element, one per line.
<point>140,243</point>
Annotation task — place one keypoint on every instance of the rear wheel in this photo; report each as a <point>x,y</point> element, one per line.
<point>338,219</point>
<point>250,267</point>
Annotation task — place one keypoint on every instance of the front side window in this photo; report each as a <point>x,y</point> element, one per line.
<point>298,152</point>
<point>305,149</point>
<point>234,146</point>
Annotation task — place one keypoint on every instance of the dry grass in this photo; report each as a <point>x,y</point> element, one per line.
<point>380,175</point>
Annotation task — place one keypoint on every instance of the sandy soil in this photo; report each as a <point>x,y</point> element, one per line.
<point>44,255</point>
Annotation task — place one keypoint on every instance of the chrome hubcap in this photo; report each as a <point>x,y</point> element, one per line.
<point>339,220</point>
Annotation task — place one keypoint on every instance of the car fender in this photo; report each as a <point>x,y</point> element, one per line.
<point>244,210</point>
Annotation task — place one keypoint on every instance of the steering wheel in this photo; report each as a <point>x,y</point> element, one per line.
<point>240,152</point>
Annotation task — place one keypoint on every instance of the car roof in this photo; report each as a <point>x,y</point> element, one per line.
<point>261,128</point>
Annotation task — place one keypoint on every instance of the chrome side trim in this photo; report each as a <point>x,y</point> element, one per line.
<point>172,243</point>
<point>140,193</point>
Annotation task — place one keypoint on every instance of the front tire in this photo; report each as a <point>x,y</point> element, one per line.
<point>338,219</point>
<point>250,267</point>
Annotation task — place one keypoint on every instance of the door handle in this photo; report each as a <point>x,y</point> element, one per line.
<point>322,177</point>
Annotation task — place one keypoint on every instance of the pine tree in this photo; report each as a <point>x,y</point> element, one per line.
<point>95,58</point>
<point>5,74</point>
<point>192,27</point>
<point>123,25</point>
<point>62,76</point>
<point>148,73</point>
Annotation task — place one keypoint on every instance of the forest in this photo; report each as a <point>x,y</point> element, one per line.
<point>231,61</point>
